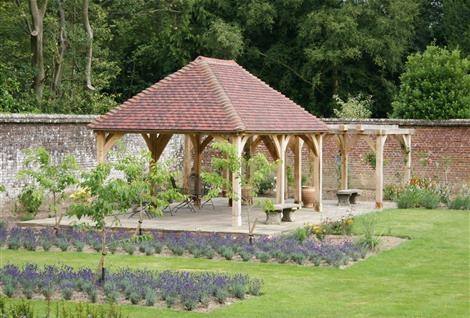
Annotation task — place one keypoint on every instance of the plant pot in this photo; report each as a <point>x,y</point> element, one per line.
<point>308,196</point>
<point>247,197</point>
<point>273,218</point>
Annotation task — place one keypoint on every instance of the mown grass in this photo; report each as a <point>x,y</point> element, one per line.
<point>427,276</point>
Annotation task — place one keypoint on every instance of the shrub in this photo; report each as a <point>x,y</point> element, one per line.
<point>409,198</point>
<point>369,239</point>
<point>46,244</point>
<point>460,202</point>
<point>239,290</point>
<point>354,107</point>
<point>246,255</point>
<point>221,295</point>
<point>62,244</point>
<point>299,258</point>
<point>31,199</point>
<point>392,191</point>
<point>67,293</point>
<point>263,257</point>
<point>227,253</point>
<point>429,200</point>
<point>435,85</point>
<point>301,234</point>
<point>150,297</point>
<point>255,287</point>
<point>129,248</point>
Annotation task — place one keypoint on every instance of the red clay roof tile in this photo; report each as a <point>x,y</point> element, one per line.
<point>210,95</point>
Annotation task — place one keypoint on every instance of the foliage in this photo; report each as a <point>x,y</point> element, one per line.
<point>266,185</point>
<point>461,201</point>
<point>230,247</point>
<point>371,159</point>
<point>392,191</point>
<point>133,285</point>
<point>435,85</point>
<point>31,199</point>
<point>343,226</point>
<point>268,206</point>
<point>354,107</point>
<point>148,186</point>
<point>53,178</point>
<point>414,196</point>
<point>370,239</point>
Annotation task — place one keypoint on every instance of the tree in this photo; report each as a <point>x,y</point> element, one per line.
<point>354,107</point>
<point>53,178</point>
<point>100,196</point>
<point>435,85</point>
<point>150,187</point>
<point>251,170</point>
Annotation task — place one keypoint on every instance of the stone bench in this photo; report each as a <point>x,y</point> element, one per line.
<point>347,197</point>
<point>287,210</point>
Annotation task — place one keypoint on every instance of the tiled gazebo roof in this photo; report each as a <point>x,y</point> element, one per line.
<point>213,96</point>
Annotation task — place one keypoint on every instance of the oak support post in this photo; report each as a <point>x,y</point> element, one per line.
<point>197,167</point>
<point>407,176</point>
<point>379,170</point>
<point>187,159</point>
<point>100,143</point>
<point>298,169</point>
<point>281,145</point>
<point>318,177</point>
<point>237,186</point>
<point>344,161</point>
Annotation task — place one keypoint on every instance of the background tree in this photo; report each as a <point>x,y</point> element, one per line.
<point>435,85</point>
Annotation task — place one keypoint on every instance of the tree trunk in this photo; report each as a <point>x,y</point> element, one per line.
<point>89,33</point>
<point>37,39</point>
<point>62,41</point>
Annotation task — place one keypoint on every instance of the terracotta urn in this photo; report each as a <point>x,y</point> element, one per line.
<point>308,196</point>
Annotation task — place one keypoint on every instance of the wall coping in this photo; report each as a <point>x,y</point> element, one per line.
<point>45,119</point>
<point>401,122</point>
<point>86,119</point>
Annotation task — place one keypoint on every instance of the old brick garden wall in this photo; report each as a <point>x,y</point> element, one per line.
<point>443,145</point>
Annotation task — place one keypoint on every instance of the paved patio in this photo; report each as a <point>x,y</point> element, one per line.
<point>208,219</point>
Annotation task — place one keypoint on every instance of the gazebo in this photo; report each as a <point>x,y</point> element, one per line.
<point>213,99</point>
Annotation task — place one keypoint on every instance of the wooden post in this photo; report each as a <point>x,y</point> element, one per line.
<point>344,161</point>
<point>197,167</point>
<point>281,145</point>
<point>187,159</point>
<point>318,177</point>
<point>407,176</point>
<point>100,142</point>
<point>237,186</point>
<point>379,170</point>
<point>298,169</point>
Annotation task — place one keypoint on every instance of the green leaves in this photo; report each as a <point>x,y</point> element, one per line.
<point>435,85</point>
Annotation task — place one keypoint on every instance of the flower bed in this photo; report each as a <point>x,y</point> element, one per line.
<point>282,249</point>
<point>188,290</point>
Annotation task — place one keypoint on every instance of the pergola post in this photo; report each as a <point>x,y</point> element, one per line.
<point>297,148</point>
<point>344,149</point>
<point>237,185</point>
<point>318,176</point>
<point>407,176</point>
<point>379,170</point>
<point>197,165</point>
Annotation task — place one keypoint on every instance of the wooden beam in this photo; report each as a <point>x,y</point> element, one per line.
<point>271,147</point>
<point>405,145</point>
<point>379,173</point>
<point>343,149</point>
<point>111,140</point>
<point>309,142</point>
<point>205,143</point>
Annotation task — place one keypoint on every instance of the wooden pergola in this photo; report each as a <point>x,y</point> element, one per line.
<point>211,99</point>
<point>375,136</point>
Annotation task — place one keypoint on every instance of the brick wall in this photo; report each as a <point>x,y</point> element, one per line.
<point>62,134</point>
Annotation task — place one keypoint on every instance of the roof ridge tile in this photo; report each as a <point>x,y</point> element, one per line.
<point>223,97</point>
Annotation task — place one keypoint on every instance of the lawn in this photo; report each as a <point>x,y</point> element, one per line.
<point>427,276</point>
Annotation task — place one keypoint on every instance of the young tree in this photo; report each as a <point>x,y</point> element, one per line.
<point>52,178</point>
<point>435,85</point>
<point>252,171</point>
<point>150,185</point>
<point>100,196</point>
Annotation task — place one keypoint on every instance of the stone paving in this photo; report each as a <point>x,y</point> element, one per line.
<point>208,219</point>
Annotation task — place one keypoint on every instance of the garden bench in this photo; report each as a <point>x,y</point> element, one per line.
<point>287,210</point>
<point>347,197</point>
